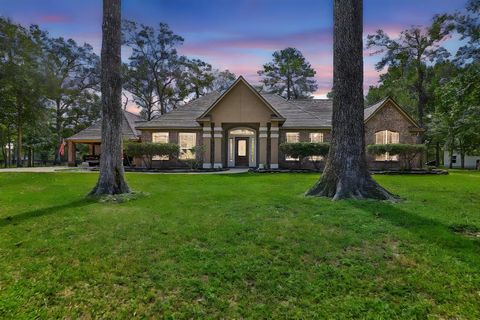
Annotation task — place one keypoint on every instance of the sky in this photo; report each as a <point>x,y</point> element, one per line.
<point>239,35</point>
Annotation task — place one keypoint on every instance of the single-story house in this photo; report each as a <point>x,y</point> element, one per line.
<point>242,127</point>
<point>471,161</point>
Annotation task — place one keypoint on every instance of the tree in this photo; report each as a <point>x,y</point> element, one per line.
<point>70,70</point>
<point>414,49</point>
<point>346,174</point>
<point>222,80</point>
<point>457,114</point>
<point>111,179</point>
<point>198,77</point>
<point>20,78</point>
<point>154,51</point>
<point>468,26</point>
<point>289,75</point>
<point>141,84</point>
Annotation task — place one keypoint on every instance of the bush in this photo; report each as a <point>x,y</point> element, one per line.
<point>406,152</point>
<point>196,162</point>
<point>303,150</point>
<point>148,150</point>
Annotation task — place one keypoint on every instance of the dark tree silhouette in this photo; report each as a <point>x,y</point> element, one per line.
<point>346,174</point>
<point>111,179</point>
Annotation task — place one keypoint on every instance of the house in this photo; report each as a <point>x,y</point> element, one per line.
<point>471,161</point>
<point>92,137</point>
<point>244,128</point>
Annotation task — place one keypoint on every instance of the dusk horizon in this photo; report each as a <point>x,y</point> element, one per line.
<point>239,36</point>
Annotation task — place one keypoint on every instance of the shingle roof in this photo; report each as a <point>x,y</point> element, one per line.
<point>371,109</point>
<point>309,113</point>
<point>184,116</point>
<point>94,132</point>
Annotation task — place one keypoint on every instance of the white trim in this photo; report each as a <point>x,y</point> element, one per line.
<point>274,166</point>
<point>274,135</point>
<point>207,129</point>
<point>207,166</point>
<point>274,129</point>
<point>218,129</point>
<point>263,135</point>
<point>218,135</point>
<point>263,129</point>
<point>217,165</point>
<point>207,135</point>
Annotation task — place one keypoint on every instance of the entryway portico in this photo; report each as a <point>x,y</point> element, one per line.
<point>240,129</point>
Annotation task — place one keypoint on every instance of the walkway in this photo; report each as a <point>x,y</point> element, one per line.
<point>68,169</point>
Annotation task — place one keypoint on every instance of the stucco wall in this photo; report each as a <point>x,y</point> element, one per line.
<point>240,105</point>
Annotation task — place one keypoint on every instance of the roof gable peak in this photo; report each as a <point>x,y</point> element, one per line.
<point>239,80</point>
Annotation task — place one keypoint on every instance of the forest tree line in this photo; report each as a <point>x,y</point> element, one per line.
<point>49,87</point>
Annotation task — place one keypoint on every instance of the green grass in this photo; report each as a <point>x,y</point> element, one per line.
<point>238,246</point>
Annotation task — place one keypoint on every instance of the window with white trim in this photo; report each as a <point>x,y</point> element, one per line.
<point>186,141</point>
<point>386,137</point>
<point>292,137</point>
<point>316,137</point>
<point>160,137</point>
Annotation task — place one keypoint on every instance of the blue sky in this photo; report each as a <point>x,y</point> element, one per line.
<point>239,35</point>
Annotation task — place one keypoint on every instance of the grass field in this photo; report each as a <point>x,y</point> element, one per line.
<point>238,246</point>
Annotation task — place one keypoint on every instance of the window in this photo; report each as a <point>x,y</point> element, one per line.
<point>244,132</point>
<point>292,137</point>
<point>187,140</point>
<point>386,137</point>
<point>454,159</point>
<point>242,148</point>
<point>316,137</point>
<point>160,137</point>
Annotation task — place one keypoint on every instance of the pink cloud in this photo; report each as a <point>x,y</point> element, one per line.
<point>269,43</point>
<point>54,18</point>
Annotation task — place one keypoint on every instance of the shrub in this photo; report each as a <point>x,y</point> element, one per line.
<point>147,150</point>
<point>197,160</point>
<point>406,152</point>
<point>303,150</point>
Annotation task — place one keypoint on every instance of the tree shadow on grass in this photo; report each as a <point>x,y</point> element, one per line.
<point>27,215</point>
<point>431,231</point>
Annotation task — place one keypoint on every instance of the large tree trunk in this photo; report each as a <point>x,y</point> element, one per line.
<point>18,149</point>
<point>346,174</point>
<point>58,131</point>
<point>111,179</point>
<point>422,96</point>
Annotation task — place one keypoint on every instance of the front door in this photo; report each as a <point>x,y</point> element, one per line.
<point>241,152</point>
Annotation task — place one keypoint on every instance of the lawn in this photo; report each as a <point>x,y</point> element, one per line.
<point>238,246</point>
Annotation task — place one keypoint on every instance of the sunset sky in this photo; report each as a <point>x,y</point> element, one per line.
<point>239,35</point>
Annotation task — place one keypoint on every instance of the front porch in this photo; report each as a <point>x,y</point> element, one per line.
<point>240,145</point>
<point>93,156</point>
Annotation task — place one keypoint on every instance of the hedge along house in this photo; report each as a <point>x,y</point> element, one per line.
<point>92,137</point>
<point>244,128</point>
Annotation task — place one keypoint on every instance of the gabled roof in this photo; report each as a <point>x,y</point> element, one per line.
<point>296,114</point>
<point>94,132</point>
<point>240,80</point>
<point>370,111</point>
<point>184,116</point>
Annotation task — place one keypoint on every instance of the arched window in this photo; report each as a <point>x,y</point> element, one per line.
<point>386,137</point>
